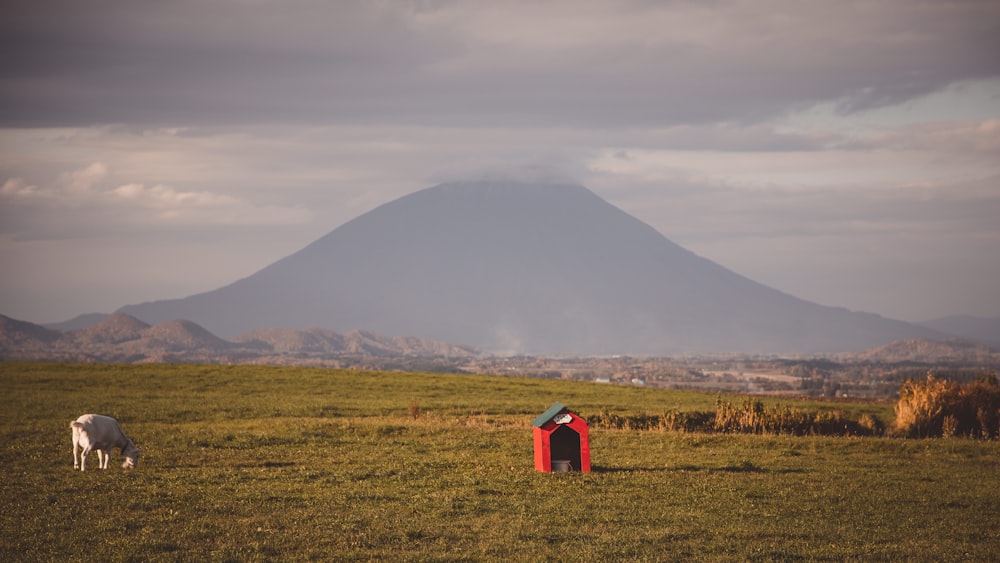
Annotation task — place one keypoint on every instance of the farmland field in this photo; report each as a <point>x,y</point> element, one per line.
<point>263,463</point>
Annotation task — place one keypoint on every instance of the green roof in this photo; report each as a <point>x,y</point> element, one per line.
<point>549,414</point>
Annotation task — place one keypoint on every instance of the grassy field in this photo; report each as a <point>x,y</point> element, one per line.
<point>289,464</point>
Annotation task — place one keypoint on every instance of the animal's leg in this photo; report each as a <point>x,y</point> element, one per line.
<point>76,444</point>
<point>83,458</point>
<point>103,456</point>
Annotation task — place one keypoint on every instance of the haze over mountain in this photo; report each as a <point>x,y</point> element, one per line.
<point>980,329</point>
<point>523,268</point>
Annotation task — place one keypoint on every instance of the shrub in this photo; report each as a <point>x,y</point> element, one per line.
<point>871,425</point>
<point>754,418</point>
<point>936,407</point>
<point>691,421</point>
<point>749,417</point>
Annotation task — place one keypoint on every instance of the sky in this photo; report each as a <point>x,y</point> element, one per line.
<point>847,153</point>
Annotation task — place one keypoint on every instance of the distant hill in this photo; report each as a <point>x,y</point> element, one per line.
<point>183,335</point>
<point>78,322</point>
<point>980,329</point>
<point>324,341</point>
<point>20,333</point>
<point>288,340</point>
<point>546,269</point>
<point>111,329</point>
<point>123,338</point>
<point>931,352</point>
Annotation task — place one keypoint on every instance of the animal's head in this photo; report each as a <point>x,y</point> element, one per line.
<point>131,456</point>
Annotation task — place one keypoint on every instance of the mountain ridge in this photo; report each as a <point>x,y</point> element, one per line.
<point>524,268</point>
<point>122,338</point>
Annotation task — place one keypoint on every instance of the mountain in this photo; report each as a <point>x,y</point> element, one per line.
<point>20,333</point>
<point>980,329</point>
<point>116,338</point>
<point>183,335</point>
<point>77,322</point>
<point>524,268</point>
<point>955,351</point>
<point>112,329</point>
<point>289,340</point>
<point>122,338</point>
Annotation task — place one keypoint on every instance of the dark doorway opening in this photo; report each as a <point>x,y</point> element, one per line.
<point>564,443</point>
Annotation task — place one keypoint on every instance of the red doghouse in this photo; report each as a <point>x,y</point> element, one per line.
<point>562,441</point>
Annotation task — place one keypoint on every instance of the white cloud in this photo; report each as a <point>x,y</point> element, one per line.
<point>129,191</point>
<point>82,182</point>
<point>86,202</point>
<point>166,197</point>
<point>17,188</point>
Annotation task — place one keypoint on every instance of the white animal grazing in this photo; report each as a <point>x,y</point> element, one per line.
<point>101,433</point>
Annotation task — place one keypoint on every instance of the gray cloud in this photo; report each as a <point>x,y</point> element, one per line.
<point>579,64</point>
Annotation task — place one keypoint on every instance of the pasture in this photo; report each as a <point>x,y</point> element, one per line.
<point>289,464</point>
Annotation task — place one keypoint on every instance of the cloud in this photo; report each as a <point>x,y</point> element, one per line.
<point>166,197</point>
<point>82,182</point>
<point>557,63</point>
<point>976,138</point>
<point>85,202</point>
<point>17,188</point>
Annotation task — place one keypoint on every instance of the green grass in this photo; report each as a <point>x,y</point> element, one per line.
<point>259,463</point>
